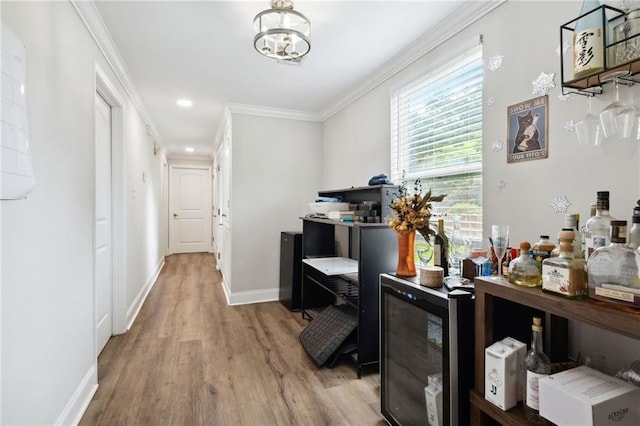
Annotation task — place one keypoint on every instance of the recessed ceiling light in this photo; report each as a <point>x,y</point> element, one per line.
<point>184,103</point>
<point>189,149</point>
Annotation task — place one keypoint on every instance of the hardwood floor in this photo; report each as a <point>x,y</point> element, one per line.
<point>190,359</point>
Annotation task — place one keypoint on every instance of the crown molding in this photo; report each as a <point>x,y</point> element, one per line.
<point>92,20</point>
<point>456,22</point>
<point>262,111</point>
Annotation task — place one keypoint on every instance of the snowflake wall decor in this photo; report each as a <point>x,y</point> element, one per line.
<point>543,83</point>
<point>497,145</point>
<point>564,98</point>
<point>565,48</point>
<point>502,183</point>
<point>560,204</point>
<point>491,101</point>
<point>495,62</point>
<point>570,126</point>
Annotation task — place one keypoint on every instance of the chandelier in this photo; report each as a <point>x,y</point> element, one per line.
<point>281,32</point>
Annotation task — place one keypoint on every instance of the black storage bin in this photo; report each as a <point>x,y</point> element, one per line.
<point>291,270</point>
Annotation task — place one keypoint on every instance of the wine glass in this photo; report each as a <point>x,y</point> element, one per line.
<point>459,249</point>
<point>500,239</point>
<point>423,249</point>
<point>589,129</point>
<point>479,257</point>
<point>626,119</point>
<point>609,114</point>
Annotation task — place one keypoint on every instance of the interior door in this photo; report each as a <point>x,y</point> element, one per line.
<point>103,265</point>
<point>190,209</point>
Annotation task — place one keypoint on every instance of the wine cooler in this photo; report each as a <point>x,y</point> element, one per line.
<point>426,353</point>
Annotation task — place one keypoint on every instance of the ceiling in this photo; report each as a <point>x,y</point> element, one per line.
<point>203,50</point>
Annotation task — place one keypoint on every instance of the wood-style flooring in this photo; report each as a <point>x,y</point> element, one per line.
<point>190,359</point>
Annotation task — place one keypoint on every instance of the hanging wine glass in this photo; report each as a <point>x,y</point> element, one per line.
<point>589,129</point>
<point>608,115</point>
<point>626,118</point>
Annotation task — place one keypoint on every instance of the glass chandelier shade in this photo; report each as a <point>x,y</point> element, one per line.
<point>281,32</point>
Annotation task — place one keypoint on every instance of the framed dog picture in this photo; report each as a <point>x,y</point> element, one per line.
<point>528,133</point>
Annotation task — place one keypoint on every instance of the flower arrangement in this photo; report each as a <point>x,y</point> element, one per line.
<point>413,210</point>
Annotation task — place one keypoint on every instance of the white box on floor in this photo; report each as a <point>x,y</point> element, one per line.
<point>584,396</point>
<point>433,399</point>
<point>521,372</point>
<point>500,375</point>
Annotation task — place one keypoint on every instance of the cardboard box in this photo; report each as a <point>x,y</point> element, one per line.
<point>521,372</point>
<point>584,396</point>
<point>433,399</point>
<point>500,375</point>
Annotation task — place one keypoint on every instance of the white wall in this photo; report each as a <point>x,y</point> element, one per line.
<point>527,34</point>
<point>276,169</point>
<point>48,360</point>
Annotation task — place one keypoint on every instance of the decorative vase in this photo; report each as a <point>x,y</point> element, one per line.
<point>406,254</point>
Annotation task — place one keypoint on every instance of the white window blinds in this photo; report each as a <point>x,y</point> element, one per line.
<point>436,135</point>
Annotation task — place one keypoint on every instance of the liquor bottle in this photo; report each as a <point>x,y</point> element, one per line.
<point>542,250</point>
<point>613,270</point>
<point>506,260</point>
<point>564,274</point>
<point>588,41</point>
<point>537,365</point>
<point>596,230</point>
<point>634,233</point>
<point>571,221</point>
<point>523,270</point>
<point>440,248</point>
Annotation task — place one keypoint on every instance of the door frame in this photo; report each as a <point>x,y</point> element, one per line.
<point>114,98</point>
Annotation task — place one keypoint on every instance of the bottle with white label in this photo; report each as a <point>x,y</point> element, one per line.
<point>596,230</point>
<point>564,275</point>
<point>588,41</point>
<point>537,365</point>
<point>613,270</point>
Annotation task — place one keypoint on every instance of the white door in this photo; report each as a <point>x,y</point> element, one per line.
<point>103,249</point>
<point>190,209</point>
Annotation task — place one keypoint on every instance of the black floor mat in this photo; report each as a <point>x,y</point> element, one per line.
<point>328,331</point>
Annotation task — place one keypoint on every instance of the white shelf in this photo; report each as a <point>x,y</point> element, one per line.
<point>333,265</point>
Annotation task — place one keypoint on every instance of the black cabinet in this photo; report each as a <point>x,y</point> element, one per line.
<point>371,248</point>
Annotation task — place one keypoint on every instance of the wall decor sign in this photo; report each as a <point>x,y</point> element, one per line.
<point>527,130</point>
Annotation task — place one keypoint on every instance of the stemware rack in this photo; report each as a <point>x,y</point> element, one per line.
<point>626,73</point>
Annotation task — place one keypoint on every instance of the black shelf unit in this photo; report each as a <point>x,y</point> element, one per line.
<point>373,245</point>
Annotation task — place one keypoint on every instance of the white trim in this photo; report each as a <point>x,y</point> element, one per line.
<point>262,111</point>
<point>94,23</point>
<point>79,401</point>
<point>118,200</point>
<point>250,296</point>
<point>134,309</point>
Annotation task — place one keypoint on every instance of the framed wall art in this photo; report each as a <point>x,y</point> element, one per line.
<point>527,134</point>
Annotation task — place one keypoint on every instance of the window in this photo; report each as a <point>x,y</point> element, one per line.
<point>436,136</point>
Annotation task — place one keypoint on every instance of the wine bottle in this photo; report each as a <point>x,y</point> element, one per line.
<point>440,247</point>
<point>588,42</point>
<point>537,365</point>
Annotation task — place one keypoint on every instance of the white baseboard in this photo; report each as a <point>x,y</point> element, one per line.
<point>77,405</point>
<point>250,296</point>
<point>134,309</point>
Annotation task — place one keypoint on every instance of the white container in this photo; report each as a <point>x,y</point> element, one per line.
<point>323,207</point>
<point>521,372</point>
<point>584,396</point>
<point>500,376</point>
<point>433,399</point>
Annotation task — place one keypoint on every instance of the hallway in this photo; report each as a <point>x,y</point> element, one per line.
<point>190,359</point>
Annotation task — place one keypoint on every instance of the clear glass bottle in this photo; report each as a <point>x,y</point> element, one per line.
<point>571,222</point>
<point>542,250</point>
<point>523,270</point>
<point>588,41</point>
<point>564,275</point>
<point>596,229</point>
<point>537,365</point>
<point>634,233</point>
<point>613,270</point>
